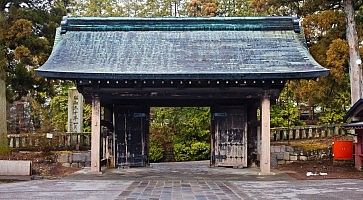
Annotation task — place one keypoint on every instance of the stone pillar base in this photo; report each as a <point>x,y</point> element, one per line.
<point>266,174</point>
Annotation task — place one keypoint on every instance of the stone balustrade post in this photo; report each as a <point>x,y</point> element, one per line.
<point>278,135</point>
<point>329,134</point>
<point>303,135</point>
<point>323,133</point>
<point>297,134</point>
<point>11,142</point>
<point>317,133</point>
<point>310,133</point>
<point>23,142</point>
<point>17,142</point>
<point>336,130</point>
<point>291,134</point>
<point>285,135</point>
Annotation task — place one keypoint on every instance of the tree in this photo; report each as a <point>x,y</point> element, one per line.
<point>17,40</point>
<point>99,8</point>
<point>327,31</point>
<point>28,37</point>
<point>186,129</point>
<point>198,8</point>
<point>285,112</point>
<point>3,127</point>
<point>355,69</point>
<point>27,30</point>
<point>234,8</point>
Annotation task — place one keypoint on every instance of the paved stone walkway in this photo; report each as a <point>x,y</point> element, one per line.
<point>197,190</point>
<point>181,181</point>
<point>179,190</point>
<point>197,170</point>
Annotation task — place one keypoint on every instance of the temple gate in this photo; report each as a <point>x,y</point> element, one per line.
<point>235,66</point>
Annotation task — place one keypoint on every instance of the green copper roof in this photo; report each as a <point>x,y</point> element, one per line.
<point>181,48</point>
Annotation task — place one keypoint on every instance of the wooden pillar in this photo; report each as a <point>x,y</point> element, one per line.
<point>109,146</point>
<point>96,135</point>
<point>265,136</point>
<point>358,159</point>
<point>253,139</point>
<point>113,164</point>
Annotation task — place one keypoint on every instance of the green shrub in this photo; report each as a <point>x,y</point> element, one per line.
<point>200,150</point>
<point>156,151</point>
<point>196,151</point>
<point>182,152</point>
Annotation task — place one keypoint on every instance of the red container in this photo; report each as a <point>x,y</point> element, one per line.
<point>343,150</point>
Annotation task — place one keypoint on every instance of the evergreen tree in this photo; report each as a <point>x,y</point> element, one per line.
<point>328,26</point>
<point>27,30</point>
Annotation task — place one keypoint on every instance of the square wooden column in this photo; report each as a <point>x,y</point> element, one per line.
<point>358,159</point>
<point>96,135</point>
<point>265,136</point>
<point>110,152</point>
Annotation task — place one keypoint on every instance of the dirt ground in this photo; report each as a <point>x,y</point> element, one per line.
<point>44,164</point>
<point>334,170</point>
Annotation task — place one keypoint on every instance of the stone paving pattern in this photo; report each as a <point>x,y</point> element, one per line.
<point>181,181</point>
<point>197,190</point>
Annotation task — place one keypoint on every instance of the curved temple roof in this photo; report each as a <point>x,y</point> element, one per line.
<point>180,48</point>
<point>354,117</point>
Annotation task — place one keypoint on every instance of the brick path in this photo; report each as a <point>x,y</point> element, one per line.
<point>178,189</point>
<point>196,190</point>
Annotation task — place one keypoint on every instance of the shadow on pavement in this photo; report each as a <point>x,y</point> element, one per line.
<point>195,170</point>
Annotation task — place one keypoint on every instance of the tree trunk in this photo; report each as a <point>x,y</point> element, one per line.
<point>355,71</point>
<point>4,148</point>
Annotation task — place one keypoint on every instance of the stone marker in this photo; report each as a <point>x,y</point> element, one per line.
<point>15,167</point>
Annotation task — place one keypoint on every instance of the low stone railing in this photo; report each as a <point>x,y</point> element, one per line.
<point>306,132</point>
<point>50,140</point>
<point>83,140</point>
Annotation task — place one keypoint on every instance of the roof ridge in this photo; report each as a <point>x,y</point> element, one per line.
<point>180,24</point>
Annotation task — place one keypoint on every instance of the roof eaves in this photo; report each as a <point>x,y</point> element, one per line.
<point>176,76</point>
<point>353,110</point>
<point>355,125</point>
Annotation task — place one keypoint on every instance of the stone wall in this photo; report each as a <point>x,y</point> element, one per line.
<point>282,154</point>
<point>75,159</point>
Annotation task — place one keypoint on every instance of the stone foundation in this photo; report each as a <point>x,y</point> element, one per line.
<point>75,159</point>
<point>282,154</point>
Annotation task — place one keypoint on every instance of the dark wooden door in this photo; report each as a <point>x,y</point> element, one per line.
<point>229,142</point>
<point>132,127</point>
